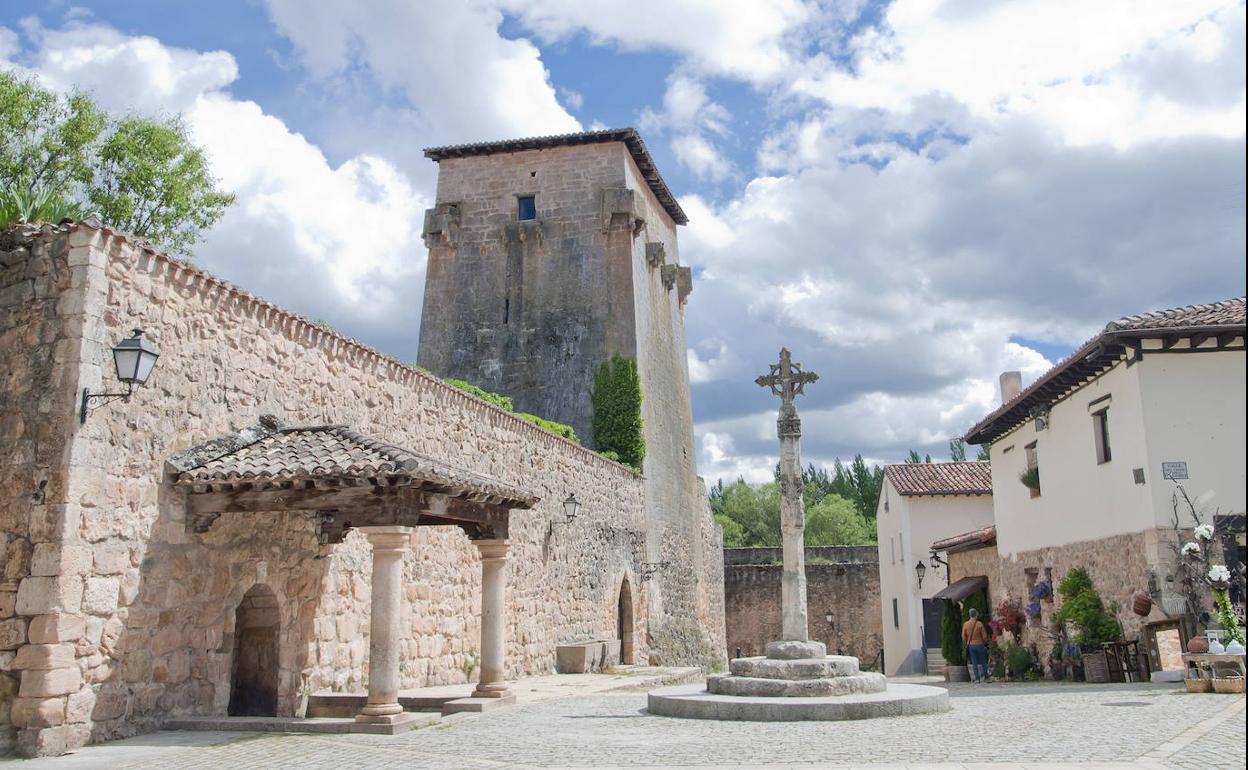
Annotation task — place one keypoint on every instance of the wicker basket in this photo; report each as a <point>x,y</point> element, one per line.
<point>1095,667</point>
<point>1230,685</point>
<point>1198,684</point>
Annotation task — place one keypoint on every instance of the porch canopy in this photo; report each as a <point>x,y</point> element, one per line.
<point>961,589</point>
<point>351,481</point>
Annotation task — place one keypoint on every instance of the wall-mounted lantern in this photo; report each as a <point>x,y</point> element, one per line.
<point>827,617</point>
<point>920,569</point>
<point>571,507</point>
<point>134,358</point>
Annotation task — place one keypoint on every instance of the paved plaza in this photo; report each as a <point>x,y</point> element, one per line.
<point>991,726</point>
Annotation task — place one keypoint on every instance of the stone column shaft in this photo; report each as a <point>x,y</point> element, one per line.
<point>389,546</point>
<point>493,618</point>
<point>792,530</point>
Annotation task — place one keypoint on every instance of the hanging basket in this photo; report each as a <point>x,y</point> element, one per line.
<point>1141,604</point>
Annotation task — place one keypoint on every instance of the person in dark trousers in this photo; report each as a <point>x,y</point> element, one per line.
<point>975,637</point>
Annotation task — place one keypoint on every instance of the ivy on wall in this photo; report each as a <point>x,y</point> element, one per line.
<point>504,402</point>
<point>616,398</point>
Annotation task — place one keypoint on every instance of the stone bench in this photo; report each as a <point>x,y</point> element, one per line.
<point>584,657</point>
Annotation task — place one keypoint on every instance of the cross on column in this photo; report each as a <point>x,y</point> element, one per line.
<point>786,379</point>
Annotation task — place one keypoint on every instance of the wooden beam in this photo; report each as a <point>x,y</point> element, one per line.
<point>277,499</point>
<point>1198,339</point>
<point>1170,340</point>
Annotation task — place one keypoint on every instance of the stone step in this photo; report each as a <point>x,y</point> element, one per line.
<point>748,686</point>
<point>826,667</point>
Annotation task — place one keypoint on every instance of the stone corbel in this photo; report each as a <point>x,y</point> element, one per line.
<point>441,225</point>
<point>656,253</point>
<point>668,275</point>
<point>523,232</point>
<point>684,283</point>
<point>622,207</point>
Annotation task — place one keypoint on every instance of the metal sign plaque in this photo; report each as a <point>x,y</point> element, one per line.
<point>1174,471</point>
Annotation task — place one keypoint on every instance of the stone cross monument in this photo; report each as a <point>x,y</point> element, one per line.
<point>787,381</point>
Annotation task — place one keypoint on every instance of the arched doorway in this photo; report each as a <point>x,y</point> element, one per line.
<point>624,623</point>
<point>253,678</point>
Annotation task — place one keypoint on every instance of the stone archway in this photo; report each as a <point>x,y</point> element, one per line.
<point>624,623</point>
<point>254,672</point>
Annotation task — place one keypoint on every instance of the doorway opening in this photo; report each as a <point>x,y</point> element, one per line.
<point>624,624</point>
<point>254,675</point>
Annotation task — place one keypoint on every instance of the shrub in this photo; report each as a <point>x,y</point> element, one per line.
<point>616,398</point>
<point>557,428</point>
<point>1083,608</point>
<point>1018,659</point>
<point>1030,478</point>
<point>977,601</point>
<point>501,401</point>
<point>951,635</point>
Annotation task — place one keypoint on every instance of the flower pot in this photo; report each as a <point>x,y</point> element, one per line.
<point>957,674</point>
<point>1198,645</point>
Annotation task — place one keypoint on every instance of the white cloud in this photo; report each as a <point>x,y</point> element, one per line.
<point>446,57</point>
<point>316,237</point>
<point>695,122</point>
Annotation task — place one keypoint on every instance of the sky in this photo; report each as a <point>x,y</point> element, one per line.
<point>912,196</point>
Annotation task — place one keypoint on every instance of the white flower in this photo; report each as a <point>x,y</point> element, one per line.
<point>1190,549</point>
<point>1204,532</point>
<point>1219,574</point>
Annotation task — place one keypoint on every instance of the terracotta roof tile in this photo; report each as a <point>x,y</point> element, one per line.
<point>967,541</point>
<point>1228,312</point>
<point>972,477</point>
<point>331,452</point>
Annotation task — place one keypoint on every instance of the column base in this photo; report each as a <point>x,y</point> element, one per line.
<point>380,714</point>
<point>491,690</point>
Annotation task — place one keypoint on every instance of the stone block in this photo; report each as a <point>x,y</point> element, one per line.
<point>60,558</point>
<point>50,629</point>
<point>42,684</point>
<point>44,657</point>
<point>80,705</point>
<point>52,741</point>
<point>49,595</point>
<point>110,704</point>
<point>8,603</point>
<point>579,658</point>
<point>12,633</point>
<point>111,558</point>
<point>796,650</point>
<point>100,596</point>
<point>37,712</point>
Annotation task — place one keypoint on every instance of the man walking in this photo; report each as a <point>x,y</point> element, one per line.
<point>975,637</point>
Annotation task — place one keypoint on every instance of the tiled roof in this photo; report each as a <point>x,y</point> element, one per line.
<point>629,136</point>
<point>330,453</point>
<point>967,541</point>
<point>1228,312</point>
<point>972,477</point>
<point>1224,318</point>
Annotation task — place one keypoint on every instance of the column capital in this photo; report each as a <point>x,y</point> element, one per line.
<point>389,538</point>
<point>492,549</point>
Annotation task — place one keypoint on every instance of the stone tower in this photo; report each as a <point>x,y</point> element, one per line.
<point>546,257</point>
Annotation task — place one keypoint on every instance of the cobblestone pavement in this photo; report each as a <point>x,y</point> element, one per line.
<point>990,727</point>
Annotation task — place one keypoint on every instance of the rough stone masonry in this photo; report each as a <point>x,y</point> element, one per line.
<point>115,614</point>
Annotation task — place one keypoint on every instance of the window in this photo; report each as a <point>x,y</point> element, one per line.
<point>1100,433</point>
<point>1031,476</point>
<point>526,207</point>
<point>896,617</point>
<point>892,550</point>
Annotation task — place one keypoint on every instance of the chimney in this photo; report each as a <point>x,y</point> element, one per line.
<point>1011,385</point>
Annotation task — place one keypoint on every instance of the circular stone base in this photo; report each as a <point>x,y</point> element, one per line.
<point>692,701</point>
<point>750,686</point>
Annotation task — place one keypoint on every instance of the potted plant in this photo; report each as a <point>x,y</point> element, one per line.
<point>1042,591</point>
<point>1094,624</point>
<point>1031,479</point>
<point>1032,610</point>
<point>951,647</point>
<point>1008,619</point>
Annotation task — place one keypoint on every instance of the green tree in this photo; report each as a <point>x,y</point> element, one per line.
<point>835,521</point>
<point>858,483</point>
<point>914,458</point>
<point>957,450</point>
<point>984,452</point>
<point>61,154</point>
<point>1083,607</point>
<point>616,398</point>
<point>750,512</point>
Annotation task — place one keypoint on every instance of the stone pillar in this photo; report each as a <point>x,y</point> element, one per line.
<point>792,529</point>
<point>389,546</point>
<point>493,619</point>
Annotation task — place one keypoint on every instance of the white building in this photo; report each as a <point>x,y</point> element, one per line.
<point>920,503</point>
<point>1153,400</point>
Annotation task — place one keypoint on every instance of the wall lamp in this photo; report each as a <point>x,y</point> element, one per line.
<point>571,507</point>
<point>827,617</point>
<point>133,358</point>
<point>920,569</point>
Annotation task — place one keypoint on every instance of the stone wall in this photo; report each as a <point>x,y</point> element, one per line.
<point>135,614</point>
<point>1119,566</point>
<point>841,580</point>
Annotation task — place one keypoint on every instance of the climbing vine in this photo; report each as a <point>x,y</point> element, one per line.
<point>616,398</point>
